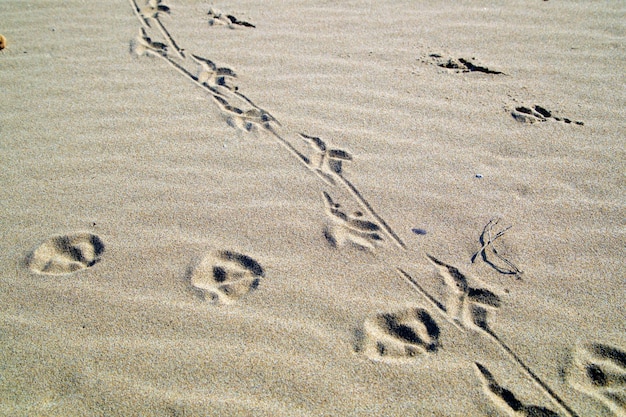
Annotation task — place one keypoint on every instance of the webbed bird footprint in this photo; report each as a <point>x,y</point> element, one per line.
<point>350,228</point>
<point>212,75</point>
<point>467,305</point>
<point>225,276</point>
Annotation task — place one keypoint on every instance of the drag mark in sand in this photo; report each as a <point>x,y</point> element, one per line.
<point>226,276</point>
<point>238,110</point>
<point>487,240</point>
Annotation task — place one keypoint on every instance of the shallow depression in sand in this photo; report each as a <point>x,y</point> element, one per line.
<point>65,254</point>
<point>224,276</point>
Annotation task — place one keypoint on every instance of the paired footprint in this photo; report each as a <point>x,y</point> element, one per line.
<point>522,114</point>
<point>223,276</point>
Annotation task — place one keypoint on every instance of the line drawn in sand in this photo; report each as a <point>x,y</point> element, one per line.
<point>487,241</point>
<point>238,110</point>
<point>467,308</point>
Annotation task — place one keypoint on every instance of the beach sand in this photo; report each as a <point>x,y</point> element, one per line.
<point>268,209</point>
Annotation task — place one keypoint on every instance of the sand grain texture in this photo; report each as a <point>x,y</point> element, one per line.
<point>263,209</point>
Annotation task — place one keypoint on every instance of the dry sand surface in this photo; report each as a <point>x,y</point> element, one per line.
<point>312,208</point>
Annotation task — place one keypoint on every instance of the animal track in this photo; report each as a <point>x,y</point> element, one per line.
<point>599,370</point>
<point>400,335</point>
<point>326,162</point>
<point>150,15</point>
<point>218,18</point>
<point>225,276</point>
<point>350,228</point>
<point>66,254</point>
<point>212,75</point>
<point>467,305</point>
<point>538,113</point>
<point>506,400</point>
<point>460,65</point>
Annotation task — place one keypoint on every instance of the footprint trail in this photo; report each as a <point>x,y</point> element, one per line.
<point>225,276</point>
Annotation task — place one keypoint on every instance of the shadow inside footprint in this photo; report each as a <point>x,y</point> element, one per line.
<point>399,335</point>
<point>66,254</point>
<point>225,276</point>
<point>599,370</point>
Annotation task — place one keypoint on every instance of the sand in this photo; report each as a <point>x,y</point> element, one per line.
<point>312,208</point>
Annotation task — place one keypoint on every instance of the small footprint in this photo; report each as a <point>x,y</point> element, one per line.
<point>467,305</point>
<point>225,276</point>
<point>538,113</point>
<point>506,400</point>
<point>461,65</point>
<point>327,162</point>
<point>399,335</point>
<point>212,75</point>
<point>350,228</point>
<point>599,370</point>
<point>218,18</point>
<point>66,254</point>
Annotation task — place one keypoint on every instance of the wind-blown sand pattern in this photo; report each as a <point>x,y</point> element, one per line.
<point>450,248</point>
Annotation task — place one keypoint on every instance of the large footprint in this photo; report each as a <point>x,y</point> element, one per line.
<point>399,335</point>
<point>66,254</point>
<point>225,276</point>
